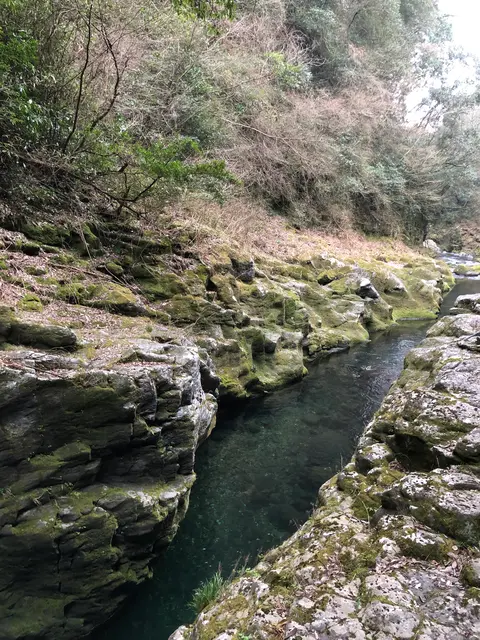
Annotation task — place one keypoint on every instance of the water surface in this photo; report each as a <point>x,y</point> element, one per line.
<point>259,474</point>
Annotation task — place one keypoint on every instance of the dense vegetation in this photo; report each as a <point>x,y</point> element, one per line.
<point>298,104</point>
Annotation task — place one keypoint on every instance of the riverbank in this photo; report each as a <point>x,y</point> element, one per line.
<point>392,550</point>
<point>262,310</point>
<point>116,343</point>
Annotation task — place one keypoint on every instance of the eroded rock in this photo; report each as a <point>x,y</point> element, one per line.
<point>392,552</point>
<point>96,467</point>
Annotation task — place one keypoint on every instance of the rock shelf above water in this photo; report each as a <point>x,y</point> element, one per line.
<point>96,467</point>
<point>392,551</point>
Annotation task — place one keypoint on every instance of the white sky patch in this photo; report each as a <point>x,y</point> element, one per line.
<point>465,18</point>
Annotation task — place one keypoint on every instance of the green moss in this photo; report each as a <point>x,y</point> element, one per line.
<point>30,302</point>
<point>217,621</point>
<point>28,248</point>
<point>162,286</point>
<point>358,561</point>
<point>47,233</point>
<point>415,313</point>
<point>108,295</point>
<point>114,268</point>
<point>198,312</point>
<point>35,270</point>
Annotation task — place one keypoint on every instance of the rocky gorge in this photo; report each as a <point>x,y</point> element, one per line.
<point>391,552</point>
<point>116,347</point>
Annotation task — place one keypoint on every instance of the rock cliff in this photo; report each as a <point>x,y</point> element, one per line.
<point>392,552</point>
<point>96,466</point>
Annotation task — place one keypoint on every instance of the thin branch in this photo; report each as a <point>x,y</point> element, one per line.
<point>118,78</point>
<point>82,79</point>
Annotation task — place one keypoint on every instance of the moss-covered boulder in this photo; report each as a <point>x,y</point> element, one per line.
<point>105,295</point>
<point>39,335</point>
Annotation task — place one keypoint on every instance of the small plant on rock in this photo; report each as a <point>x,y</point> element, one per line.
<point>207,592</point>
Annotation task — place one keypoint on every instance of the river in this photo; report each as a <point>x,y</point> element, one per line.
<point>259,474</point>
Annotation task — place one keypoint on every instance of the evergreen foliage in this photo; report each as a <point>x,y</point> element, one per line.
<point>299,103</point>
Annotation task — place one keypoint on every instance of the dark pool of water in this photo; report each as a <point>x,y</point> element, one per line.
<point>259,473</point>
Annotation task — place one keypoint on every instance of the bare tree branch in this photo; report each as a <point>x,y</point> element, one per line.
<point>82,79</point>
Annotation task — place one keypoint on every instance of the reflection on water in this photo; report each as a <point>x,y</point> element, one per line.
<point>259,473</point>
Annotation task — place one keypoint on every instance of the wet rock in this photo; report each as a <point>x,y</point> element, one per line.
<point>468,303</point>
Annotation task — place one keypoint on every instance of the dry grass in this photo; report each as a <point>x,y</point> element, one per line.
<point>243,226</point>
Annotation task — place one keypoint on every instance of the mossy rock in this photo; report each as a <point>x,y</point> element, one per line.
<point>28,248</point>
<point>86,242</point>
<point>326,276</point>
<point>198,312</point>
<point>378,315</point>
<point>47,233</point>
<point>322,341</point>
<point>225,288</point>
<point>467,269</point>
<point>106,295</point>
<point>282,368</point>
<point>163,286</point>
<point>114,268</point>
<point>37,335</point>
<point>30,302</point>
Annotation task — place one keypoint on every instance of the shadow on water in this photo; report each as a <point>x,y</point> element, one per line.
<point>259,473</point>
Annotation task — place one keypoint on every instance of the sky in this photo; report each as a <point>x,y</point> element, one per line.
<point>465,17</point>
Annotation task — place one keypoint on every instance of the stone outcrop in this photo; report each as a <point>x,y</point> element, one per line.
<point>392,551</point>
<point>262,320</point>
<point>96,465</point>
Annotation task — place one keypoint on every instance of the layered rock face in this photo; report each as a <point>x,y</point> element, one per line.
<point>96,465</point>
<point>262,319</point>
<point>392,552</point>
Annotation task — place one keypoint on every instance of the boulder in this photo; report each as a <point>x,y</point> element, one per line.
<point>469,303</point>
<point>432,246</point>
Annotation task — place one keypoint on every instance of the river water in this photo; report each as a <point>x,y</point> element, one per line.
<point>259,474</point>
